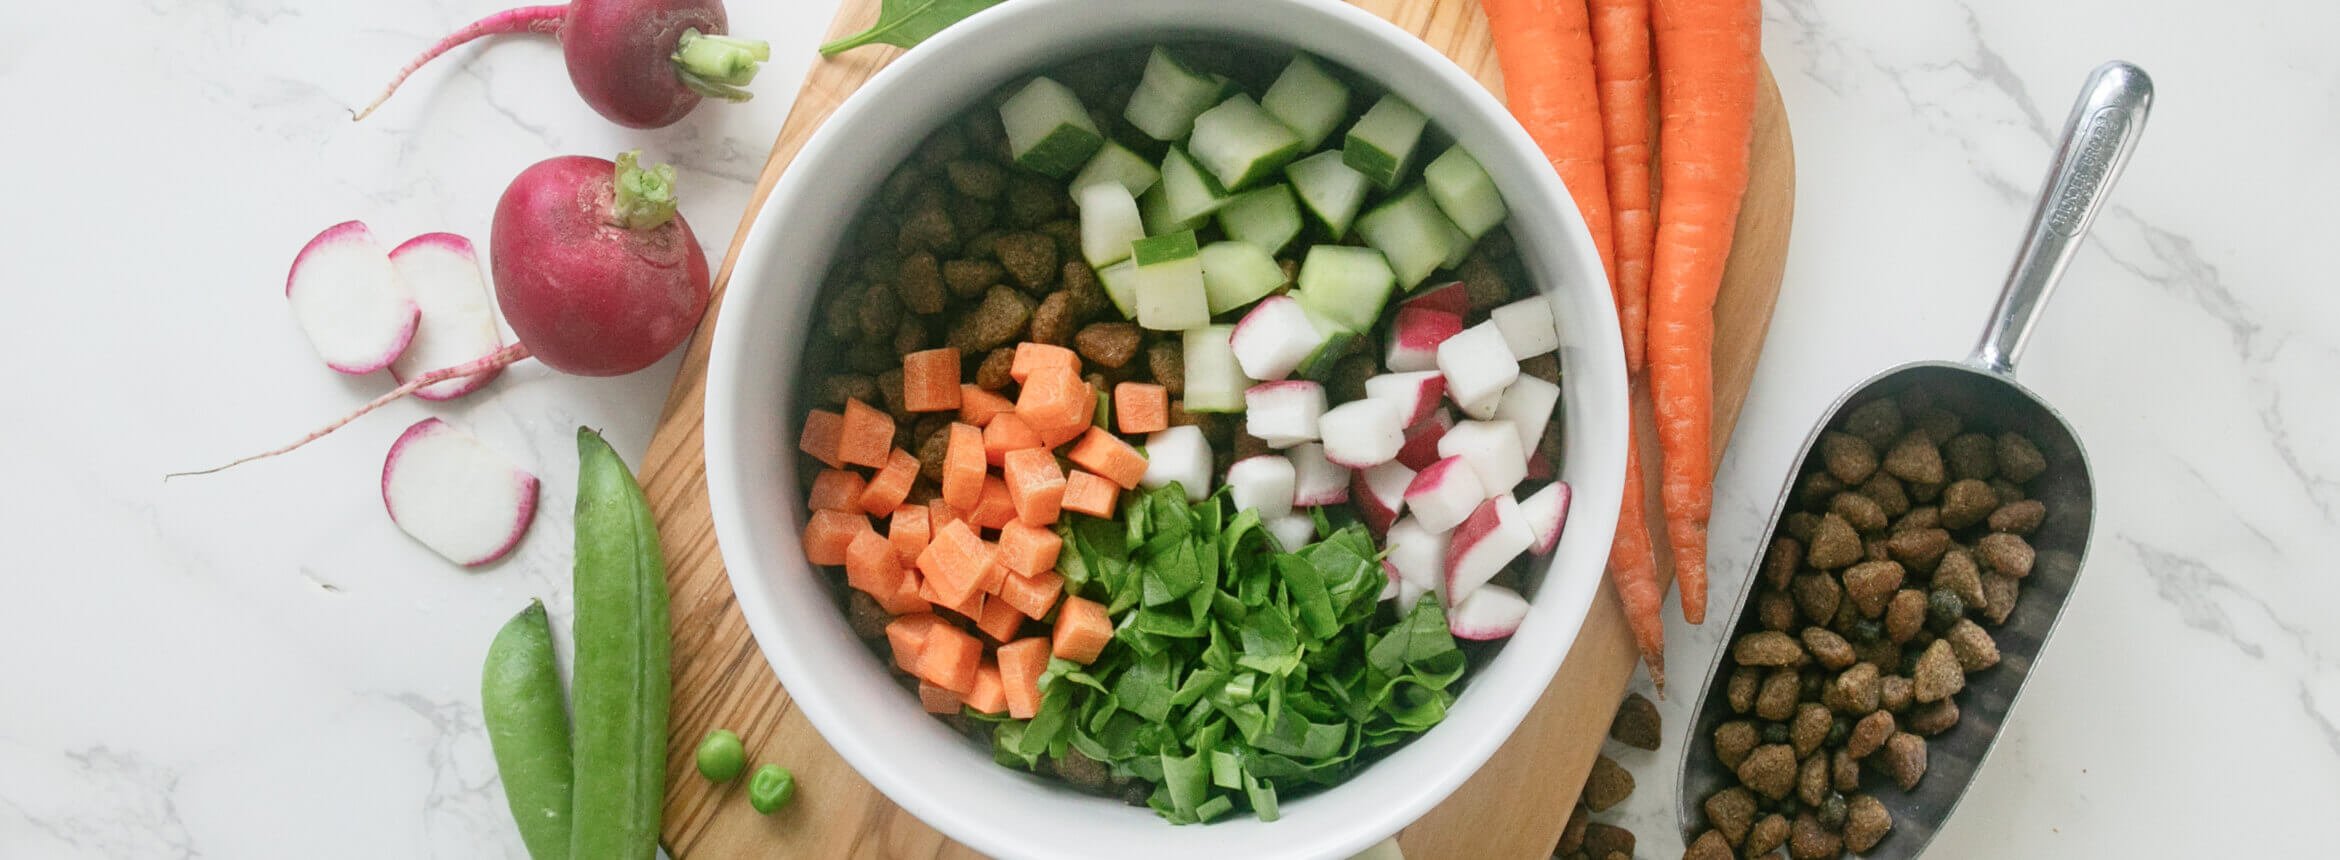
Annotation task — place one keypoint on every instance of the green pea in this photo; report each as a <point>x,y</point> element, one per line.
<point>622,682</point>
<point>722,756</point>
<point>771,788</point>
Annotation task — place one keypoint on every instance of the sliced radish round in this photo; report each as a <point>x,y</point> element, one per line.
<point>1451,297</point>
<point>447,490</point>
<point>348,298</point>
<point>1421,447</point>
<point>1414,336</point>
<point>1181,454</point>
<point>458,322</point>
<point>1495,534</point>
<point>1546,511</point>
<point>1492,449</point>
<point>1273,338</point>
<point>1444,494</point>
<point>1416,393</point>
<point>1418,553</point>
<point>1316,481</point>
<point>1363,433</point>
<point>1380,494</point>
<point>1478,366</point>
<point>1285,413</point>
<point>1528,405</point>
<point>1491,612</point>
<point>1262,483</point>
<point>1293,530</point>
<point>1527,327</point>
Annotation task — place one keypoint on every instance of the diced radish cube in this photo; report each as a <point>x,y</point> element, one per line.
<point>1416,393</point>
<point>1363,433</point>
<point>1179,454</point>
<point>1316,480</point>
<point>1414,337</point>
<point>1418,553</point>
<point>1527,327</point>
<point>1546,511</point>
<point>1409,594</point>
<point>1293,530</point>
<point>1492,449</point>
<point>1493,612</point>
<point>1262,483</point>
<point>1477,366</point>
<point>1273,338</point>
<point>1380,494</point>
<point>1444,494</point>
<point>1283,414</point>
<point>1421,447</point>
<point>1391,581</point>
<point>1451,297</point>
<point>1494,534</point>
<point>1528,405</point>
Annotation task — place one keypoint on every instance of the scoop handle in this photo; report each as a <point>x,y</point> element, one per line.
<point>2098,136</point>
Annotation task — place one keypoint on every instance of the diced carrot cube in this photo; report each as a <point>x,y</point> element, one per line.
<point>977,406</point>
<point>1053,399</point>
<point>937,700</point>
<point>1109,457</point>
<point>963,467</point>
<point>1081,630</point>
<point>955,563</point>
<point>910,529</point>
<point>949,656</point>
<point>822,430</point>
<point>906,635</point>
<point>907,597</point>
<point>969,607</point>
<point>1032,594</point>
<point>868,435</point>
<point>930,380</point>
<point>1035,485</point>
<point>999,620</point>
<point>1028,549</point>
<point>872,566</point>
<point>1085,493</point>
<point>828,533</point>
<point>836,490</point>
<point>1031,356</point>
<point>995,575</point>
<point>988,696</point>
<point>993,508</point>
<point>1071,431</point>
<point>1007,432</point>
<point>940,513</point>
<point>1140,407</point>
<point>891,485</point>
<point>1020,665</point>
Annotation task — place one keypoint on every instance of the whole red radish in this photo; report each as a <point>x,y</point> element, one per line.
<point>640,63</point>
<point>594,270</point>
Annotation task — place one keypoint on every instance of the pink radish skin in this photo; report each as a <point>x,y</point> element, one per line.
<point>349,300</point>
<point>1380,495</point>
<point>1421,445</point>
<point>1416,392</point>
<point>1494,534</point>
<point>1414,336</point>
<point>1452,297</point>
<point>458,314</point>
<point>639,63</point>
<point>1546,512</point>
<point>448,491</point>
<point>1491,612</point>
<point>1394,585</point>
<point>1316,481</point>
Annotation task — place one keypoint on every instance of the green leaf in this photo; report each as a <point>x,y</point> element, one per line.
<point>906,23</point>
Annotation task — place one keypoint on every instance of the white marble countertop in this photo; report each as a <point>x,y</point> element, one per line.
<point>260,665</point>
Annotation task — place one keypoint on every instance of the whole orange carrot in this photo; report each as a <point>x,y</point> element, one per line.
<point>1707,51</point>
<point>1545,49</point>
<point>1620,30</point>
<point>1633,570</point>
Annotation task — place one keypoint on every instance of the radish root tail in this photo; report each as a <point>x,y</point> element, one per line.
<point>526,19</point>
<point>491,361</point>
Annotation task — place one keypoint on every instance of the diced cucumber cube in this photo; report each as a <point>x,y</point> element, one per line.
<point>1048,130</point>
<point>1236,274</point>
<point>1240,143</point>
<point>1307,99</point>
<point>1381,144</point>
<point>1266,217</point>
<point>1409,230</point>
<point>1464,192</point>
<point>1228,87</point>
<point>1116,163</point>
<point>1169,96</point>
<point>1188,189</point>
<point>1109,223</point>
<point>1345,285</point>
<point>1154,210</point>
<point>1330,188</point>
<point>1120,283</point>
<point>1458,248</point>
<point>1170,294</point>
<point>1214,381</point>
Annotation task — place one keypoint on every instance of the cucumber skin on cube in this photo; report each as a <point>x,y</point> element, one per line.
<point>1214,381</point>
<point>1411,234</point>
<point>1346,285</point>
<point>1236,274</point>
<point>1330,189</point>
<point>1240,143</point>
<point>1319,364</point>
<point>1267,217</point>
<point>1381,145</point>
<point>1116,163</point>
<point>1307,99</point>
<point>1170,294</point>
<point>1154,211</point>
<point>1048,129</point>
<point>1109,223</point>
<point>1465,192</point>
<point>1120,284</point>
<point>1187,189</point>
<point>1169,96</point>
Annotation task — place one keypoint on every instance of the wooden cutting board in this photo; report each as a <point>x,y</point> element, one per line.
<point>1514,807</point>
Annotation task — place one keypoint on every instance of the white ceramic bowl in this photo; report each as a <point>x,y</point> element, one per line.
<point>948,780</point>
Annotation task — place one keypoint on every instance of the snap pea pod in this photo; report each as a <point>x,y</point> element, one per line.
<point>623,678</point>
<point>520,698</point>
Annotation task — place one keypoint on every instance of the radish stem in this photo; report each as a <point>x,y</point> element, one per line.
<point>526,19</point>
<point>717,66</point>
<point>491,361</point>
<point>643,198</point>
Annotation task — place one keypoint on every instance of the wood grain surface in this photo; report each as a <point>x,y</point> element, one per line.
<point>1514,807</point>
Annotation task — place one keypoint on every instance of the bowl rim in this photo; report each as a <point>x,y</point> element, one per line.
<point>1555,619</point>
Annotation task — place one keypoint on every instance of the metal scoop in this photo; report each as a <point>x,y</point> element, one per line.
<point>2098,136</point>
